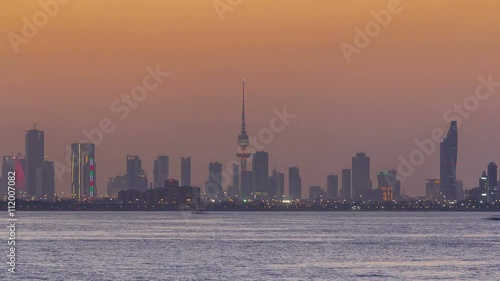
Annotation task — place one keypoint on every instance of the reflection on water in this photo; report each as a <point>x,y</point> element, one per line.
<point>257,246</point>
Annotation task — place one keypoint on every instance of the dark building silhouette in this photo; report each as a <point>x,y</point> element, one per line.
<point>35,152</point>
<point>316,193</point>
<point>136,178</point>
<point>432,188</point>
<point>213,187</point>
<point>361,184</point>
<point>448,163</point>
<point>48,180</point>
<point>83,170</point>
<point>235,188</point>
<point>332,187</point>
<point>346,184</point>
<point>117,184</point>
<point>277,185</point>
<point>492,182</point>
<point>246,185</point>
<point>294,183</point>
<point>483,187</point>
<point>260,171</point>
<point>161,171</point>
<point>186,171</point>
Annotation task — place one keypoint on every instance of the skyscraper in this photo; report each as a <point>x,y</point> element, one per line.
<point>185,171</point>
<point>332,187</point>
<point>83,170</point>
<point>294,183</point>
<point>277,185</point>
<point>483,187</point>
<point>260,171</point>
<point>213,187</point>
<point>161,171</point>
<point>48,180</point>
<point>432,187</point>
<point>388,184</point>
<point>136,177</point>
<point>316,193</point>
<point>492,182</point>
<point>346,184</point>
<point>246,184</point>
<point>35,152</point>
<point>448,163</point>
<point>361,184</point>
<point>236,181</point>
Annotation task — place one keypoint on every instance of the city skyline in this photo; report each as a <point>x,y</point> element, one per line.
<point>342,108</point>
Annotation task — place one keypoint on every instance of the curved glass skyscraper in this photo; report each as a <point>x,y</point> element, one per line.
<point>448,163</point>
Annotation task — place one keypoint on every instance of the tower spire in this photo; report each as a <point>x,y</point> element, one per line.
<point>243,125</point>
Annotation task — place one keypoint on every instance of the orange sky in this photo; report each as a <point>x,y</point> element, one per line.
<point>394,91</point>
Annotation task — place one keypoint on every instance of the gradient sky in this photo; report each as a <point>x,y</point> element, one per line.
<point>395,91</point>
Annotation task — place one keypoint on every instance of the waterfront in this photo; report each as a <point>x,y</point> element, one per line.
<point>257,246</point>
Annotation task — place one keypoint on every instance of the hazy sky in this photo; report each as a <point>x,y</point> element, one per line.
<point>394,91</point>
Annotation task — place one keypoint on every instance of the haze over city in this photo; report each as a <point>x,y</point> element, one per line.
<point>394,92</point>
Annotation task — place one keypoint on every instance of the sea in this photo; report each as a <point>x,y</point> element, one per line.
<point>311,245</point>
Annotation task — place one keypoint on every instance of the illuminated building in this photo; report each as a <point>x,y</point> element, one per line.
<point>483,187</point>
<point>83,170</point>
<point>448,163</point>
<point>389,186</point>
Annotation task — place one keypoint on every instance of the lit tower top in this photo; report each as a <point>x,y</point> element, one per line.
<point>243,140</point>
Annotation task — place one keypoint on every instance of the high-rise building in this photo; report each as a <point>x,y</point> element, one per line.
<point>35,152</point>
<point>460,190</point>
<point>432,188</point>
<point>346,184</point>
<point>185,171</point>
<point>48,180</point>
<point>213,187</point>
<point>332,187</point>
<point>116,184</point>
<point>83,170</point>
<point>316,193</point>
<point>246,185</point>
<point>361,184</point>
<point>448,163</point>
<point>388,184</point>
<point>260,171</point>
<point>483,187</point>
<point>492,182</point>
<point>277,185</point>
<point>161,170</point>
<point>236,182</point>
<point>294,183</point>
<point>136,177</point>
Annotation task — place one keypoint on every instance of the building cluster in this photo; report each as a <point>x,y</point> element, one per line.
<point>35,177</point>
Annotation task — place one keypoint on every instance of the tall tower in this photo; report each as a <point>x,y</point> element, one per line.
<point>35,151</point>
<point>185,171</point>
<point>246,177</point>
<point>448,163</point>
<point>361,184</point>
<point>83,170</point>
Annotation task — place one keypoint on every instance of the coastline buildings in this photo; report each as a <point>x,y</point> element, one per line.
<point>161,171</point>
<point>243,142</point>
<point>136,177</point>
<point>346,184</point>
<point>213,187</point>
<point>361,183</point>
<point>492,182</point>
<point>83,170</point>
<point>294,183</point>
<point>389,187</point>
<point>260,170</point>
<point>316,193</point>
<point>185,171</point>
<point>35,152</point>
<point>332,187</point>
<point>277,185</point>
<point>432,188</point>
<point>116,184</point>
<point>448,163</point>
